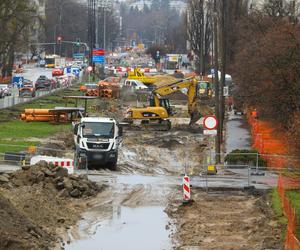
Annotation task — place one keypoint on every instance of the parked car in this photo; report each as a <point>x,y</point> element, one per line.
<point>6,89</point>
<point>2,93</point>
<point>57,72</point>
<point>43,83</point>
<point>54,83</point>
<point>28,90</point>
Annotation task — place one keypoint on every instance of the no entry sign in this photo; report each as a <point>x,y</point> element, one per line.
<point>210,122</point>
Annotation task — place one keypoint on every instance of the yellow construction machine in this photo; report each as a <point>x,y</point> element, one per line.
<point>158,113</point>
<point>137,74</point>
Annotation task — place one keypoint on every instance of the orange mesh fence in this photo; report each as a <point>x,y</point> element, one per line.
<point>268,141</point>
<point>291,241</point>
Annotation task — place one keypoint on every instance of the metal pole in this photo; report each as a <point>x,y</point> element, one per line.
<point>97,25</point>
<point>257,162</point>
<point>104,29</point>
<point>217,97</point>
<point>248,176</point>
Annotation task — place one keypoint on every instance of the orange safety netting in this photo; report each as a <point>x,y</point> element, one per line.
<point>291,241</point>
<point>270,143</point>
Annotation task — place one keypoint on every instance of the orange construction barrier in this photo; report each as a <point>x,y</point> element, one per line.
<point>291,240</point>
<point>268,141</point>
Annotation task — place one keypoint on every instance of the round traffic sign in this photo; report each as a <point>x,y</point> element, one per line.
<point>210,122</point>
<point>89,68</point>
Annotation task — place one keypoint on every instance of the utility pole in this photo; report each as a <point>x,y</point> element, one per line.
<point>104,28</point>
<point>202,61</point>
<point>216,83</point>
<point>97,25</point>
<point>223,33</point>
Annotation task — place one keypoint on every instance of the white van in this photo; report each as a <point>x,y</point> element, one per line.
<point>135,84</point>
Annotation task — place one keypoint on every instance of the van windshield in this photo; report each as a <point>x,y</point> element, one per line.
<point>95,129</point>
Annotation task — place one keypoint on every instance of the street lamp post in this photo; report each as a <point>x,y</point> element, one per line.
<point>105,5</point>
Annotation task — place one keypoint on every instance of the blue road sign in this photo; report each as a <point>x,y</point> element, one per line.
<point>76,71</point>
<point>98,59</point>
<point>18,80</point>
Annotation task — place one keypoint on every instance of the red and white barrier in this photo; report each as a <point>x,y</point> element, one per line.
<point>186,189</point>
<point>56,161</point>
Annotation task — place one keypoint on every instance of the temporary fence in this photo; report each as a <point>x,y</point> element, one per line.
<point>291,240</point>
<point>268,141</point>
<point>29,155</point>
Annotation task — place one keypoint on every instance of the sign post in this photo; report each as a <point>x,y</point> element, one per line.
<point>98,55</point>
<point>210,124</point>
<point>89,69</point>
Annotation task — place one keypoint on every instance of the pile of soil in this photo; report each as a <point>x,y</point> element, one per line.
<point>164,80</point>
<point>38,204</point>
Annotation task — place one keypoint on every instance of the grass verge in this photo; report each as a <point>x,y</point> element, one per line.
<point>294,197</point>
<point>276,206</point>
<point>22,134</point>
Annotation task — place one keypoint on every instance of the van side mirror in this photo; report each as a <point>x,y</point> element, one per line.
<point>120,130</point>
<point>75,130</point>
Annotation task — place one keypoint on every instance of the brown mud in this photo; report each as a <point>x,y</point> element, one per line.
<point>39,203</point>
<point>225,220</point>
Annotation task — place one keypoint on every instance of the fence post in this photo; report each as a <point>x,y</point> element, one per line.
<point>249,176</point>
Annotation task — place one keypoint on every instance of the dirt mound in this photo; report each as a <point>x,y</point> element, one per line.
<point>164,80</point>
<point>39,203</point>
<point>16,229</point>
<point>56,177</point>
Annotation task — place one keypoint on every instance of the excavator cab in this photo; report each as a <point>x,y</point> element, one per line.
<point>165,103</point>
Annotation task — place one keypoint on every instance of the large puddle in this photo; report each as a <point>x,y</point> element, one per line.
<point>127,228</point>
<point>238,136</point>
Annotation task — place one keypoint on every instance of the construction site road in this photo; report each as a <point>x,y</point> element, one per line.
<point>142,206</point>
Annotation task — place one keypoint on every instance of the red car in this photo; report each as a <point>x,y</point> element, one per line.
<point>57,72</point>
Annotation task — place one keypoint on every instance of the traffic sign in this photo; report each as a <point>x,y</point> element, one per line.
<point>98,52</point>
<point>89,68</point>
<point>210,122</point>
<point>78,55</point>
<point>98,59</point>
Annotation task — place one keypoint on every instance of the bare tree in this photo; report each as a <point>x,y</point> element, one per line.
<point>199,30</point>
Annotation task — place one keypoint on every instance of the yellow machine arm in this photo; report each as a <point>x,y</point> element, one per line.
<point>189,83</point>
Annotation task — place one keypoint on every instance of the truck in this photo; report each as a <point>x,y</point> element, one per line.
<point>97,140</point>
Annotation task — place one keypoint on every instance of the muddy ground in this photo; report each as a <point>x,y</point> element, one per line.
<point>229,220</point>
<point>35,212</point>
<point>38,205</point>
<point>149,174</point>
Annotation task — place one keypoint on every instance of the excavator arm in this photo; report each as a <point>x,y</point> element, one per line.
<point>196,108</point>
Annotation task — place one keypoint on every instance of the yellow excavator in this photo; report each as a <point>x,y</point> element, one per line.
<point>158,113</point>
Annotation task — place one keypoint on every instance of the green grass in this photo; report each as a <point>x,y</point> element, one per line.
<point>19,129</point>
<point>23,134</point>
<point>294,197</point>
<point>15,146</point>
<point>276,206</point>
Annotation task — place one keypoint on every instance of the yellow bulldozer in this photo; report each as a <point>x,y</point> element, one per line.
<point>158,113</point>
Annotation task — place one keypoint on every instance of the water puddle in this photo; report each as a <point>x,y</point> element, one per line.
<point>127,228</point>
<point>136,179</point>
<point>238,137</point>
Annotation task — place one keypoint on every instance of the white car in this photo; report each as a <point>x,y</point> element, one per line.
<point>135,84</point>
<point>6,89</point>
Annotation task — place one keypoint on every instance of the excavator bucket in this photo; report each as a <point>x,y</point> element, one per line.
<point>198,109</point>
